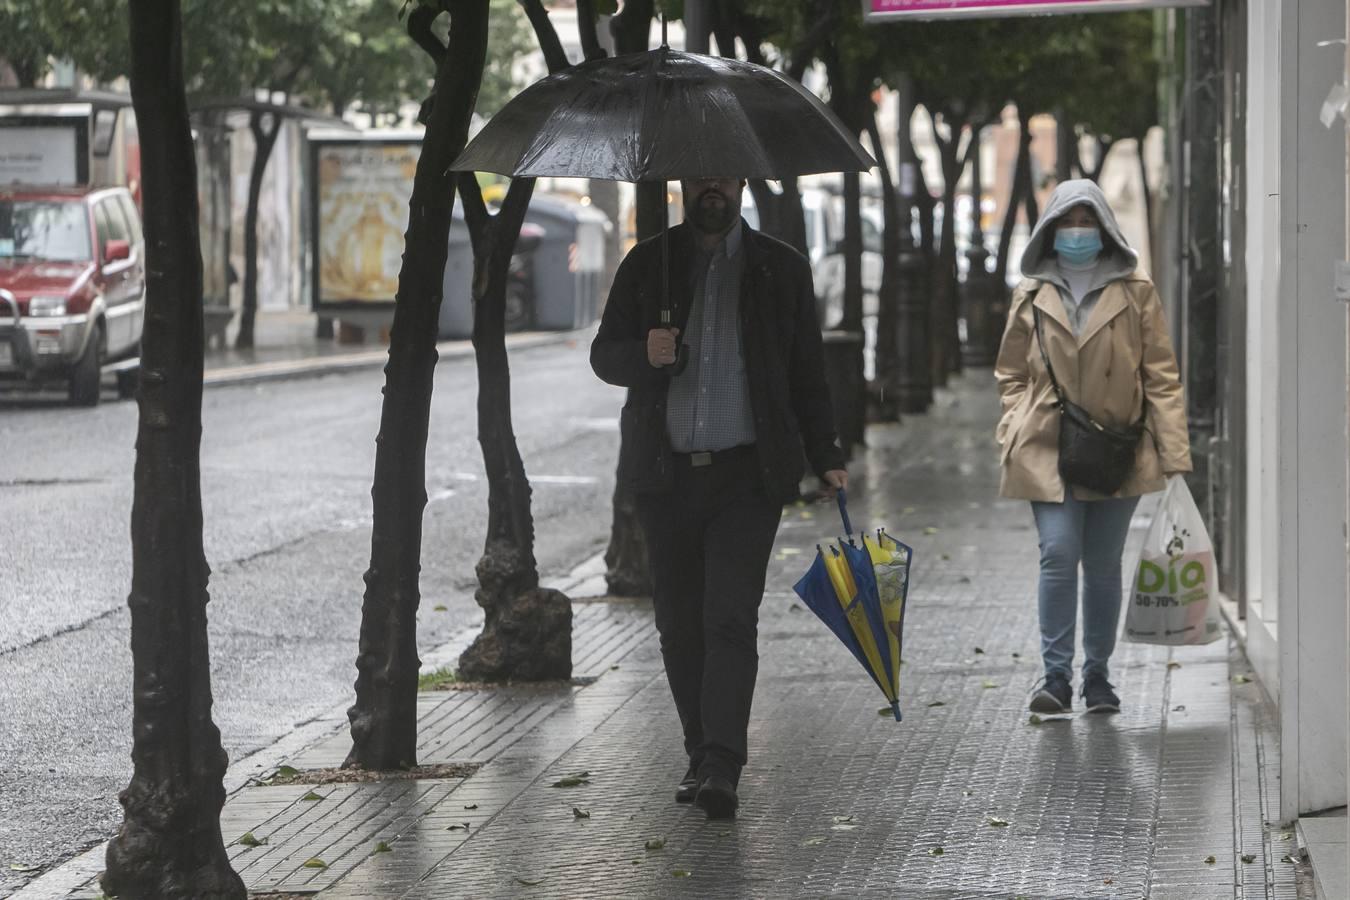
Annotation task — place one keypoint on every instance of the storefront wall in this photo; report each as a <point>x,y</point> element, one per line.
<point>1295,404</point>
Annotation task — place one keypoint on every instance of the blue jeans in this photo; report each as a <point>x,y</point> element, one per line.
<point>1090,532</point>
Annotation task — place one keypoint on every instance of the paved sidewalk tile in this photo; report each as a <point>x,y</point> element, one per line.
<point>840,801</point>
<point>965,798</point>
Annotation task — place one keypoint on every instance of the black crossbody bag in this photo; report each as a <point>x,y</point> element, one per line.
<point>1092,455</point>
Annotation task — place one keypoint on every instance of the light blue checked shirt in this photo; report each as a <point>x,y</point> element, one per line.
<point>708,405</point>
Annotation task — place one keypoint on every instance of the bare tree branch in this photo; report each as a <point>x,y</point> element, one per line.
<point>587,25</point>
<point>547,35</point>
<point>419,29</point>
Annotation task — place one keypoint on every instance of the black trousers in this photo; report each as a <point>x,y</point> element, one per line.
<point>709,540</point>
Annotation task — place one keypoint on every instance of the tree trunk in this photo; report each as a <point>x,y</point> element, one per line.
<point>1146,193</point>
<point>1021,186</point>
<point>887,358</point>
<point>852,250</point>
<point>628,570</point>
<point>1065,154</point>
<point>586,31</point>
<point>384,716</point>
<point>914,385</point>
<point>946,357</point>
<point>169,845</point>
<point>1103,147</point>
<point>264,139</point>
<point>527,630</point>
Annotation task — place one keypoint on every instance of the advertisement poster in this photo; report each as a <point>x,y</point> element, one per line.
<point>880,10</point>
<point>362,198</point>
<point>38,154</point>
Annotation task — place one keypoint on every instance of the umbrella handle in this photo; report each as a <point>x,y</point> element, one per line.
<point>842,497</point>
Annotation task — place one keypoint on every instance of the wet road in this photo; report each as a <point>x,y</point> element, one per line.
<point>286,473</point>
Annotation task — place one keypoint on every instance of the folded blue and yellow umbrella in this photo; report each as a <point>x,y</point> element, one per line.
<point>860,594</point>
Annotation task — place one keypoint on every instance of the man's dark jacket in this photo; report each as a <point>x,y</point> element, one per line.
<point>784,363</point>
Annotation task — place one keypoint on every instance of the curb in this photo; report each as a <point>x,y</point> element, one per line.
<point>281,370</point>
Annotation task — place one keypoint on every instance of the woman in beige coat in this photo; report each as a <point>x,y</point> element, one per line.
<point>1106,337</point>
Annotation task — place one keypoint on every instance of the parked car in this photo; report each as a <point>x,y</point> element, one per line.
<point>72,286</point>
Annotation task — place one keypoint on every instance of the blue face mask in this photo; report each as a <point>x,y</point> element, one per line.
<point>1078,246</point>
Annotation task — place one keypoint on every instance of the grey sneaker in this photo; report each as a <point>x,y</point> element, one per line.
<point>1054,696</point>
<point>1099,696</point>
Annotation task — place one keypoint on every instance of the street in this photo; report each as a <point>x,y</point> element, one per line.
<point>286,476</point>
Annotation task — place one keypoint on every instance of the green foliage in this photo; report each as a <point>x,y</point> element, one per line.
<point>1099,69</point>
<point>36,32</point>
<point>329,53</point>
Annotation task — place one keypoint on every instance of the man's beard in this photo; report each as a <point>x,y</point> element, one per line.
<point>711,218</point>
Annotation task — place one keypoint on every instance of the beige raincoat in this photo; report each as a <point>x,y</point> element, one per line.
<point>1121,361</point>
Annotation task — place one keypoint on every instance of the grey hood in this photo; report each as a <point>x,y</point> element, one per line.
<point>1039,261</point>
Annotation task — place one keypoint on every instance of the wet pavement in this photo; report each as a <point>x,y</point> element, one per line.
<point>967,797</point>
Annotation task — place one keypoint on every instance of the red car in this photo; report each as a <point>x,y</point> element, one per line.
<point>72,286</point>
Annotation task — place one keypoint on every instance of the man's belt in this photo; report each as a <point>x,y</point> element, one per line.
<point>702,458</point>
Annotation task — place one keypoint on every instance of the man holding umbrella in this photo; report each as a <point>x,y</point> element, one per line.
<point>712,327</point>
<point>722,401</point>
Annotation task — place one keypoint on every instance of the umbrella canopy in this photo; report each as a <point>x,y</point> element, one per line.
<point>860,593</point>
<point>664,115</point>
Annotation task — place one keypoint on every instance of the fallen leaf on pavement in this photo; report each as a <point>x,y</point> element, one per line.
<point>248,840</point>
<point>21,867</point>
<point>996,822</point>
<point>311,797</point>
<point>382,847</point>
<point>1174,665</point>
<point>1035,720</point>
<point>930,530</point>
<point>988,684</point>
<point>979,650</point>
<point>576,780</point>
<point>460,826</point>
<point>1248,858</point>
<point>1241,679</point>
<point>936,851</point>
<point>315,863</point>
<point>1209,860</point>
<point>680,873</point>
<point>580,813</point>
<point>883,710</point>
<point>933,704</point>
<point>813,842</point>
<point>471,806</point>
<point>528,882</point>
<point>655,843</point>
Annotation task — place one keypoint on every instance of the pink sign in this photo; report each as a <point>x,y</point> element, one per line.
<point>990,9</point>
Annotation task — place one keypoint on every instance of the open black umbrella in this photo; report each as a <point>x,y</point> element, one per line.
<point>663,115</point>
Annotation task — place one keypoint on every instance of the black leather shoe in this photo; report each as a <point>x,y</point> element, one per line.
<point>717,798</point>
<point>688,788</point>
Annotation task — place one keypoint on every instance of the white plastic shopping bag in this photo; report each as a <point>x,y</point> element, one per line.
<point>1174,596</point>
